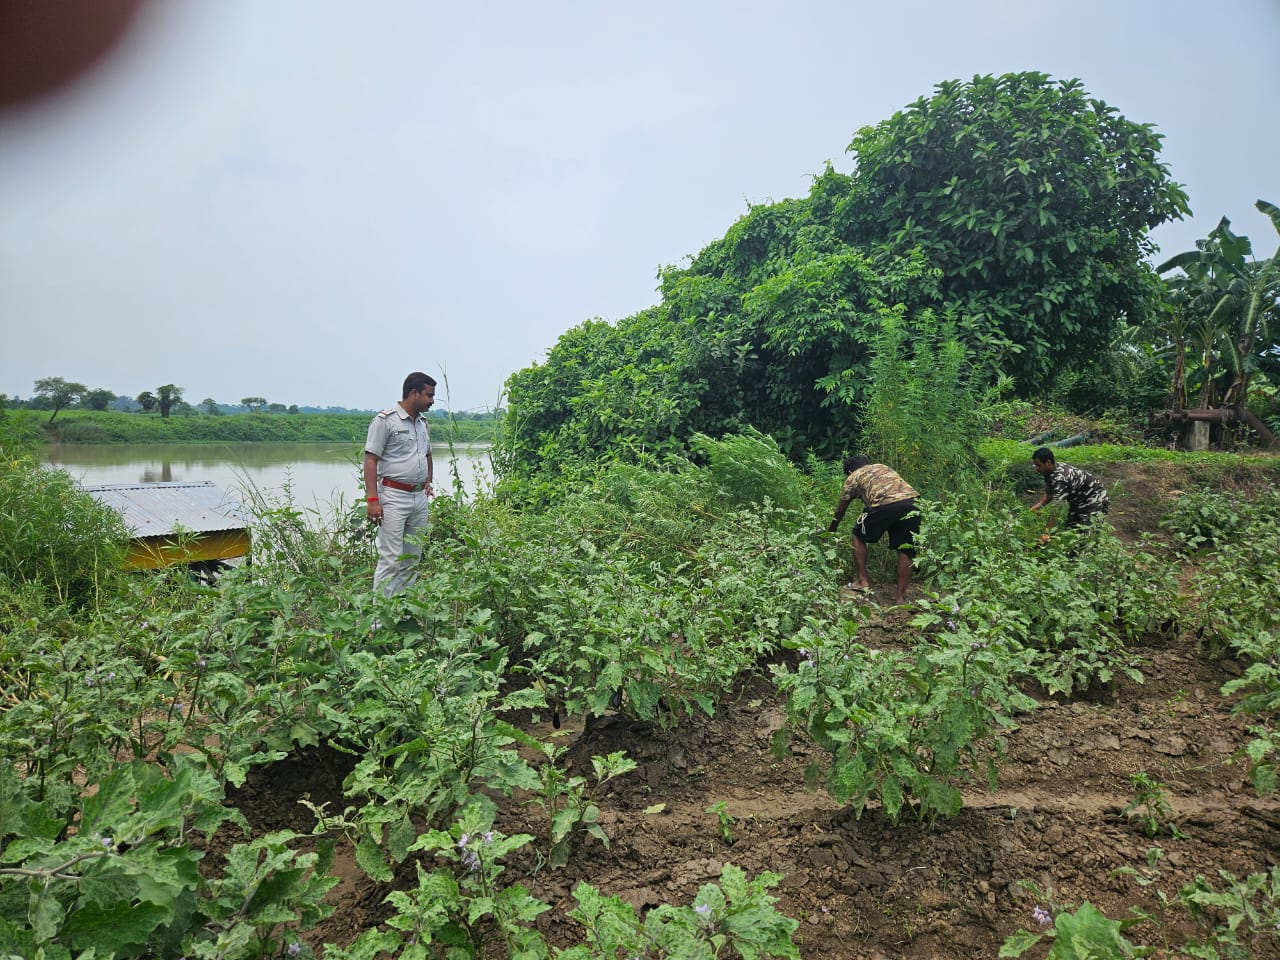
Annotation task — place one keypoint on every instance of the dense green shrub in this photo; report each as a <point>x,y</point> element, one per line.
<point>1233,606</point>
<point>657,587</point>
<point>53,535</point>
<point>906,728</point>
<point>1216,519</point>
<point>1080,601</point>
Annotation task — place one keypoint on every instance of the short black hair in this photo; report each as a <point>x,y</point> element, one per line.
<point>855,461</point>
<point>1044,455</point>
<point>416,383</point>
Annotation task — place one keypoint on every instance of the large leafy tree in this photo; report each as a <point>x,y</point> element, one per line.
<point>1035,201</point>
<point>59,392</point>
<point>98,399</point>
<point>1016,205</point>
<point>167,397</point>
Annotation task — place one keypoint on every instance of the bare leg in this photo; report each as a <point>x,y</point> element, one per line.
<point>860,557</point>
<point>904,574</point>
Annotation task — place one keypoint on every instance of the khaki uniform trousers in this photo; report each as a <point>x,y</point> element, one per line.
<point>404,516</point>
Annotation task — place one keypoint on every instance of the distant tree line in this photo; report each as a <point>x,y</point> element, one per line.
<point>56,394</point>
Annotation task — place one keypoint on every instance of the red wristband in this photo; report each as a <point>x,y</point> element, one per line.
<point>371,500</point>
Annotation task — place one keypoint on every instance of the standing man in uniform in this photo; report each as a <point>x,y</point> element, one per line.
<point>1084,493</point>
<point>397,481</point>
<point>890,504</point>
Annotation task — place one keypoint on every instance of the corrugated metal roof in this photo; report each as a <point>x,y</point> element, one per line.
<point>160,509</point>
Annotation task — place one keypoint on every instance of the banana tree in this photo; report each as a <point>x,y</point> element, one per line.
<point>1235,302</point>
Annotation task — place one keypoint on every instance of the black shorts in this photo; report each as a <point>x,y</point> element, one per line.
<point>901,520</point>
<point>1086,518</point>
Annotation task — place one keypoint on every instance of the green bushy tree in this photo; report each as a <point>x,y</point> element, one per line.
<point>167,398</point>
<point>1035,201</point>
<point>98,399</point>
<point>1130,379</point>
<point>59,393</point>
<point>1018,205</point>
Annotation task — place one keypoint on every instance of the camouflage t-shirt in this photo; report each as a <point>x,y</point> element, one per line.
<point>875,485</point>
<point>1082,491</point>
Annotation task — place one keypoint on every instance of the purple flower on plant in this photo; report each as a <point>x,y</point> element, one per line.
<point>294,949</point>
<point>1042,916</point>
<point>108,842</point>
<point>464,840</point>
<point>703,910</point>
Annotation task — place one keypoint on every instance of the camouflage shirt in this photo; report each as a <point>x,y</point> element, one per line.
<point>1083,492</point>
<point>875,485</point>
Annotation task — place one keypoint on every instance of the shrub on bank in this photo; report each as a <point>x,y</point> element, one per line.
<point>54,538</point>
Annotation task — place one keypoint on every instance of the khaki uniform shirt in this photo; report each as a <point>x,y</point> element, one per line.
<point>875,485</point>
<point>402,445</point>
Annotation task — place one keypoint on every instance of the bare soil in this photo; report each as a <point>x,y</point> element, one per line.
<point>865,888</point>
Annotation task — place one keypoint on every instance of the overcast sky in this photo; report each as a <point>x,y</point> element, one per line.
<point>307,200</point>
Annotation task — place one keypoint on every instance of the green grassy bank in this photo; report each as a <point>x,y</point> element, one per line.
<point>93,426</point>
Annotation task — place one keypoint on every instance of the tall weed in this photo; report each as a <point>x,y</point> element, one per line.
<point>924,411</point>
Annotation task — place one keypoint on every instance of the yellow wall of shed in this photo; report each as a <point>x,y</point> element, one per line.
<point>149,553</point>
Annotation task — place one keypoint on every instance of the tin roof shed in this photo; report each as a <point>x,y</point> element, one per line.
<point>177,522</point>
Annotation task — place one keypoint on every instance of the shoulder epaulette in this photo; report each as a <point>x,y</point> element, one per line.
<point>387,412</point>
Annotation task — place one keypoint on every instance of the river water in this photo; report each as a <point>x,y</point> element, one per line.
<point>319,477</point>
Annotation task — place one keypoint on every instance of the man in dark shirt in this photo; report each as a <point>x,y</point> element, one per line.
<point>1084,494</point>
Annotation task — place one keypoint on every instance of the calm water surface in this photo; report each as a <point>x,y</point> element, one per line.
<point>313,476</point>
